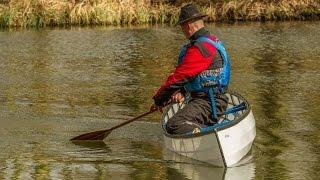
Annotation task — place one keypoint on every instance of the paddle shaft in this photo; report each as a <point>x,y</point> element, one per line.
<point>129,121</point>
<point>101,134</point>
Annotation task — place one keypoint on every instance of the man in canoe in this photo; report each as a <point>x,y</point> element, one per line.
<point>203,73</point>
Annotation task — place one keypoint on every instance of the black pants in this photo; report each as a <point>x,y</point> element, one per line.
<point>196,114</point>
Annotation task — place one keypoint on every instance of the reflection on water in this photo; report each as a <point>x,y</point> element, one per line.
<point>55,84</point>
<point>192,169</point>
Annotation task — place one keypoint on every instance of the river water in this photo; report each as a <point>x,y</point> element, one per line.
<point>59,83</point>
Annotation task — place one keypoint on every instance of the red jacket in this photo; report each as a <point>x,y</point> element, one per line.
<point>193,63</point>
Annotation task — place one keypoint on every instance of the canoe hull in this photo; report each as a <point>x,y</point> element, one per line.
<point>224,146</point>
<point>236,141</point>
<point>203,148</point>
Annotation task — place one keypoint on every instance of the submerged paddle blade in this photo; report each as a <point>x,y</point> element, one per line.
<point>97,135</point>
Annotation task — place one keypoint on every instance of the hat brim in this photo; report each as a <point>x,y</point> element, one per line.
<point>197,16</point>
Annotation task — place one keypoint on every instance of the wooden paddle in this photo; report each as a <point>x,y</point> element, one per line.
<point>101,134</point>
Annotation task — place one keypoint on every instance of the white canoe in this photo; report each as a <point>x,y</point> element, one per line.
<point>223,144</point>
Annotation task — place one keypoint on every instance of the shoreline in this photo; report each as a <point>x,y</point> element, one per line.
<point>65,13</point>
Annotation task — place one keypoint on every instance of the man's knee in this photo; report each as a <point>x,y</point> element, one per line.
<point>180,126</point>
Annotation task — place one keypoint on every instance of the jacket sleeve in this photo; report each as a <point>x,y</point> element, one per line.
<point>193,63</point>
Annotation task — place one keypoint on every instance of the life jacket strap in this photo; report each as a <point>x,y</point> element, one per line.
<point>203,50</point>
<point>211,93</point>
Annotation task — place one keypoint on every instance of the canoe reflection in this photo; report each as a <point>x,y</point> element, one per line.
<point>196,170</point>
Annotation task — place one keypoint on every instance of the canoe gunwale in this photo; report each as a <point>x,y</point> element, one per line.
<point>215,130</point>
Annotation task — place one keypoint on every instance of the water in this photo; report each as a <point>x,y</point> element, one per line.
<point>58,83</point>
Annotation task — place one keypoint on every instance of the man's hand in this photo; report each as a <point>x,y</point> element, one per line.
<point>177,97</point>
<point>155,108</point>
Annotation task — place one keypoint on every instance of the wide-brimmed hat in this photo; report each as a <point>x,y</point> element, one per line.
<point>189,12</point>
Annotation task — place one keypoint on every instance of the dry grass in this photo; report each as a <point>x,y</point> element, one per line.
<point>40,13</point>
<point>270,10</point>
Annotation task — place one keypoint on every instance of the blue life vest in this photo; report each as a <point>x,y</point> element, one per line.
<point>209,81</point>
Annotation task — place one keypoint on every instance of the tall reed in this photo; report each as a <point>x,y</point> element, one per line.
<point>40,13</point>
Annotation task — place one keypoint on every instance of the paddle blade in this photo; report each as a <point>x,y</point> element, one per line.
<point>97,135</point>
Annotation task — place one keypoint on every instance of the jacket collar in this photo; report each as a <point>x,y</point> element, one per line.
<point>199,33</point>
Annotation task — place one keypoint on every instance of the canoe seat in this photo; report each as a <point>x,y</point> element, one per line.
<point>234,110</point>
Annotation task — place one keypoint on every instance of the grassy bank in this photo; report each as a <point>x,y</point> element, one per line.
<point>40,13</point>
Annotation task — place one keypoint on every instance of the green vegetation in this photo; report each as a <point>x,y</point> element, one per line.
<point>40,13</point>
